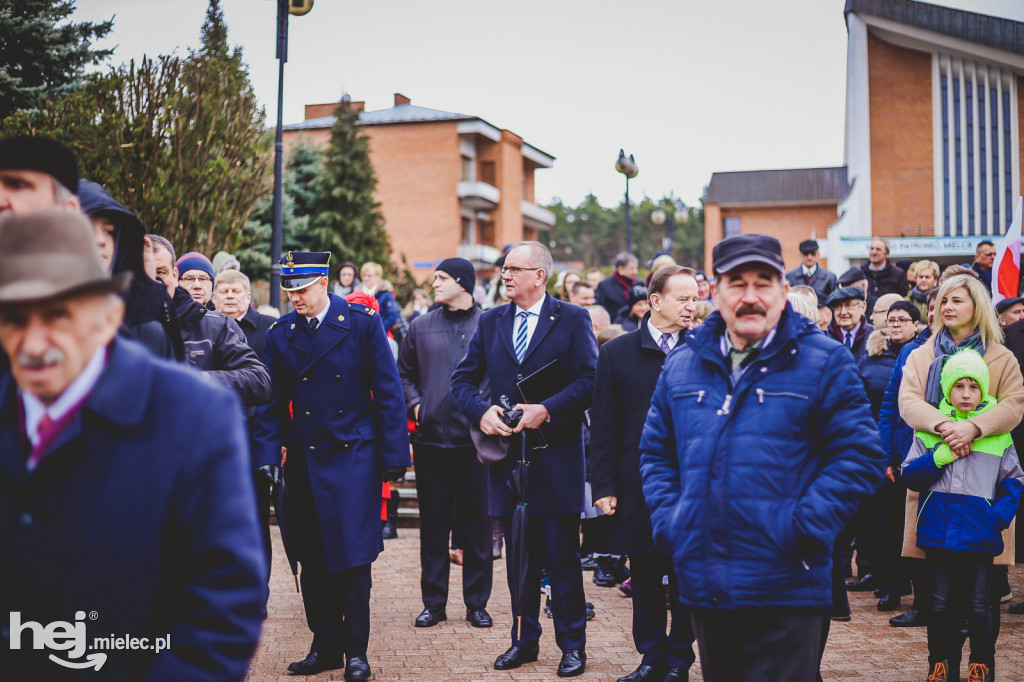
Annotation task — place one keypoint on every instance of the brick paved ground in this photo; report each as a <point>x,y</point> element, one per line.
<point>866,647</point>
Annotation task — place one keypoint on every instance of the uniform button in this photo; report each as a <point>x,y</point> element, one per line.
<point>519,377</point>
<point>763,370</point>
<point>714,601</point>
<point>307,413</point>
<point>341,412</point>
<point>346,446</point>
<point>312,448</point>
<point>337,377</point>
<point>305,379</point>
<point>25,520</point>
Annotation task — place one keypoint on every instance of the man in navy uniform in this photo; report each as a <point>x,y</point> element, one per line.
<point>331,361</point>
<point>811,273</point>
<point>512,342</point>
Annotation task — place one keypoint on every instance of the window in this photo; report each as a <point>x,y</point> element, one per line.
<point>467,169</point>
<point>730,227</point>
<point>487,172</point>
<point>975,135</point>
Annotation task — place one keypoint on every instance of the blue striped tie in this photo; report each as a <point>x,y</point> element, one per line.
<point>521,336</point>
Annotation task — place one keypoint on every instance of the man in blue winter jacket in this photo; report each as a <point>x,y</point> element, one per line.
<point>758,447</point>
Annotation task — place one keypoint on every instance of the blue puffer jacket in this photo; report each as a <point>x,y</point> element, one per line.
<point>748,486</point>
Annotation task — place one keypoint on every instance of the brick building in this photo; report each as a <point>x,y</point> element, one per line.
<point>448,184</point>
<point>933,145</point>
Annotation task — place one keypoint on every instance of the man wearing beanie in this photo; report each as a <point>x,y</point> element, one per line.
<point>196,275</point>
<point>448,475</point>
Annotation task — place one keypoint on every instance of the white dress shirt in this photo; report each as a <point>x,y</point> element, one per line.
<point>656,335</point>
<point>531,321</point>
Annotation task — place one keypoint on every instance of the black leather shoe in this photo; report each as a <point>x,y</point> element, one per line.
<point>866,583</point>
<point>573,663</point>
<point>888,602</point>
<point>1016,608</point>
<point>479,618</point>
<point>604,575</point>
<point>677,675</point>
<point>516,656</point>
<point>911,619</point>
<point>316,662</point>
<point>645,673</point>
<point>587,563</point>
<point>430,617</point>
<point>388,531</point>
<point>358,669</point>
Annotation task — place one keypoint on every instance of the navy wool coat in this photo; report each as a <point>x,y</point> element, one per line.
<point>349,421</point>
<point>142,511</point>
<point>557,472</point>
<point>748,485</point>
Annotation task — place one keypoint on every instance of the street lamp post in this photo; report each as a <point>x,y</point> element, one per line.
<point>284,8</point>
<point>660,217</point>
<point>627,166</point>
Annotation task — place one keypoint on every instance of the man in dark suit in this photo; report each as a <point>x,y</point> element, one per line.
<point>232,295</point>
<point>124,490</point>
<point>613,292</point>
<point>811,273</point>
<point>511,343</point>
<point>330,364</point>
<point>627,372</point>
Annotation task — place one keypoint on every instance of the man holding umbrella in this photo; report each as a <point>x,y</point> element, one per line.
<point>512,343</point>
<point>329,362</point>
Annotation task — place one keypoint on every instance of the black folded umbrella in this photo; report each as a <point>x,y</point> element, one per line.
<point>284,523</point>
<point>518,544</point>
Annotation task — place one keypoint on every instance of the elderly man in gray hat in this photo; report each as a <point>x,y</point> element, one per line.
<point>96,472</point>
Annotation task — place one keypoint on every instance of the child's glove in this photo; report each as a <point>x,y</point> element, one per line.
<point>942,455</point>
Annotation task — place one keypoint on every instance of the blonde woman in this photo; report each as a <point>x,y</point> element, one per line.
<point>928,272</point>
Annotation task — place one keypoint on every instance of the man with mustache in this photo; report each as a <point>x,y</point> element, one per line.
<point>96,472</point>
<point>758,446</point>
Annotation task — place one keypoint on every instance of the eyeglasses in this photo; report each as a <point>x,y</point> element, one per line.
<point>898,321</point>
<point>190,279</point>
<point>514,270</point>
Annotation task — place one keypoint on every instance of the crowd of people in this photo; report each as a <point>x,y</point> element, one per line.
<point>736,450</point>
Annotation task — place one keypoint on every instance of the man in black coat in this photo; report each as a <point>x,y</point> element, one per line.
<point>613,292</point>
<point>850,326</point>
<point>811,273</point>
<point>884,276</point>
<point>627,372</point>
<point>123,485</point>
<point>450,481</point>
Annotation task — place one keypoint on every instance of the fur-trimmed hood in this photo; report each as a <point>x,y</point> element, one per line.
<point>878,342</point>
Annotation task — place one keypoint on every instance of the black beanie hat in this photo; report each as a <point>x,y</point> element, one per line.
<point>461,270</point>
<point>637,293</point>
<point>38,153</point>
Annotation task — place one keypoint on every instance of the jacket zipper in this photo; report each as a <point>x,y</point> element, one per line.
<point>725,406</point>
<point>448,393</point>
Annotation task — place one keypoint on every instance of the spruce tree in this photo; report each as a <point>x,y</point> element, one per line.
<point>41,53</point>
<point>345,218</point>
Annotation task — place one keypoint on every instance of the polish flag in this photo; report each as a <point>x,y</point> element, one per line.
<point>1006,268</point>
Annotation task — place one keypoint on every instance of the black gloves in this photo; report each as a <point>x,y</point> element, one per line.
<point>272,472</point>
<point>392,473</point>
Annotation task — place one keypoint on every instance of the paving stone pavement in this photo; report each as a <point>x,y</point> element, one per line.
<point>864,648</point>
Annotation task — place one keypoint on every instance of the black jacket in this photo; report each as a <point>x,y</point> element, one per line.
<point>215,345</point>
<point>149,315</point>
<point>611,296</point>
<point>822,281</point>
<point>435,343</point>
<point>889,280</point>
<point>255,325</point>
<point>876,367</point>
<point>628,368</point>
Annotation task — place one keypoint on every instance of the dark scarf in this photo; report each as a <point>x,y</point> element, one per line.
<point>918,295</point>
<point>944,347</point>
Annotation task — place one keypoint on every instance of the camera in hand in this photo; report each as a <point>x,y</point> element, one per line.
<point>511,417</point>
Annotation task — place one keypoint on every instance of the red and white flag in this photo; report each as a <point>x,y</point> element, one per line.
<point>1006,268</point>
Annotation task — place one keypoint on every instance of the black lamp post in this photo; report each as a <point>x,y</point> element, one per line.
<point>627,166</point>
<point>660,217</point>
<point>284,8</point>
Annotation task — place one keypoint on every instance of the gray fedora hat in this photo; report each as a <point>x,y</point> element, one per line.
<point>51,253</point>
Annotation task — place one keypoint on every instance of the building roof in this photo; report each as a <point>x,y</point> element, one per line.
<point>403,113</point>
<point>982,29</point>
<point>798,185</point>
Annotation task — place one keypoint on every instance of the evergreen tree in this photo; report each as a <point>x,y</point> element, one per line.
<point>345,218</point>
<point>41,53</point>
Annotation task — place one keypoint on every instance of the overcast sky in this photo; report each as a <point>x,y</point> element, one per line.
<point>688,87</point>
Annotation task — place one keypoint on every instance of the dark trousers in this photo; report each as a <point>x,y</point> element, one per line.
<point>451,488</point>
<point>764,644</point>
<point>263,496</point>
<point>338,608</point>
<point>554,543</point>
<point>892,570</point>
<point>961,589</point>
<point>650,618</point>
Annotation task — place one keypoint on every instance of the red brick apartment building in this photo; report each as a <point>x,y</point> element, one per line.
<point>448,184</point>
<point>933,145</point>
